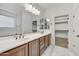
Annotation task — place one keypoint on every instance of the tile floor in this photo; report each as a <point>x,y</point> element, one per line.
<point>48,51</point>
<point>57,51</point>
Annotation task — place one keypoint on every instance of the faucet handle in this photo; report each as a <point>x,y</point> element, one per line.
<point>20,36</point>
<point>15,36</point>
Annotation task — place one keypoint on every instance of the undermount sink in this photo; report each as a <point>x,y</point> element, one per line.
<point>31,35</point>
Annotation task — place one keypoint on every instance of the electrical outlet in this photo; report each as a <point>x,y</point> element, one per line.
<point>73,16</point>
<point>73,30</point>
<point>73,45</point>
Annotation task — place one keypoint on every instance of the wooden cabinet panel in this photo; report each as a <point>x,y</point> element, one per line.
<point>42,45</point>
<point>46,41</point>
<point>9,53</point>
<point>34,48</point>
<point>49,39</point>
<point>26,50</point>
<point>19,51</point>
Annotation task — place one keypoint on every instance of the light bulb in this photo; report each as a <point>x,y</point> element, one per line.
<point>32,9</point>
<point>48,20</point>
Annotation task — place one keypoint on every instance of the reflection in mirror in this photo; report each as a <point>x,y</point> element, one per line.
<point>7,23</point>
<point>26,22</point>
<point>44,23</point>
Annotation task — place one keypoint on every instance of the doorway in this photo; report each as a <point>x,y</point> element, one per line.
<point>61,30</point>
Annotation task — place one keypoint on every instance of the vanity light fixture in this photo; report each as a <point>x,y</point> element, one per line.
<point>32,9</point>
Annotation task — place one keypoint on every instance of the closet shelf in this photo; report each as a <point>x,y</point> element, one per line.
<point>62,30</point>
<point>61,37</point>
<point>64,21</point>
<point>61,22</point>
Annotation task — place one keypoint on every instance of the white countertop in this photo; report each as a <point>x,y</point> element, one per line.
<point>10,42</point>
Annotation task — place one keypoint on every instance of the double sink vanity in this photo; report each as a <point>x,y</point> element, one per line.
<point>33,44</point>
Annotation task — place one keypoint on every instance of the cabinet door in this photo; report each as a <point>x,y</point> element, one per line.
<point>42,45</point>
<point>46,41</point>
<point>19,51</point>
<point>26,50</point>
<point>22,51</point>
<point>10,53</point>
<point>34,48</point>
<point>49,39</point>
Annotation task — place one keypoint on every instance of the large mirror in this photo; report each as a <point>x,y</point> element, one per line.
<point>7,23</point>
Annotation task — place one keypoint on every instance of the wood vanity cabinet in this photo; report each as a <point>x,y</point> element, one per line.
<point>34,48</point>
<point>19,51</point>
<point>38,46</point>
<point>44,43</point>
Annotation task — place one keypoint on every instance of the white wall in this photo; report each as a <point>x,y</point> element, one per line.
<point>74,30</point>
<point>57,11</point>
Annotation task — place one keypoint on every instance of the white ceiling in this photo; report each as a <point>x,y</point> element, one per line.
<point>52,5</point>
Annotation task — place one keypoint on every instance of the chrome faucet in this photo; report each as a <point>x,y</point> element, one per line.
<point>20,36</point>
<point>16,37</point>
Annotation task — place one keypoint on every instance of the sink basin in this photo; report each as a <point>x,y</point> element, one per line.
<point>7,39</point>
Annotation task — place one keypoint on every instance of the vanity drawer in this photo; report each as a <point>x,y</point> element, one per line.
<point>42,46</point>
<point>42,38</point>
<point>42,42</point>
